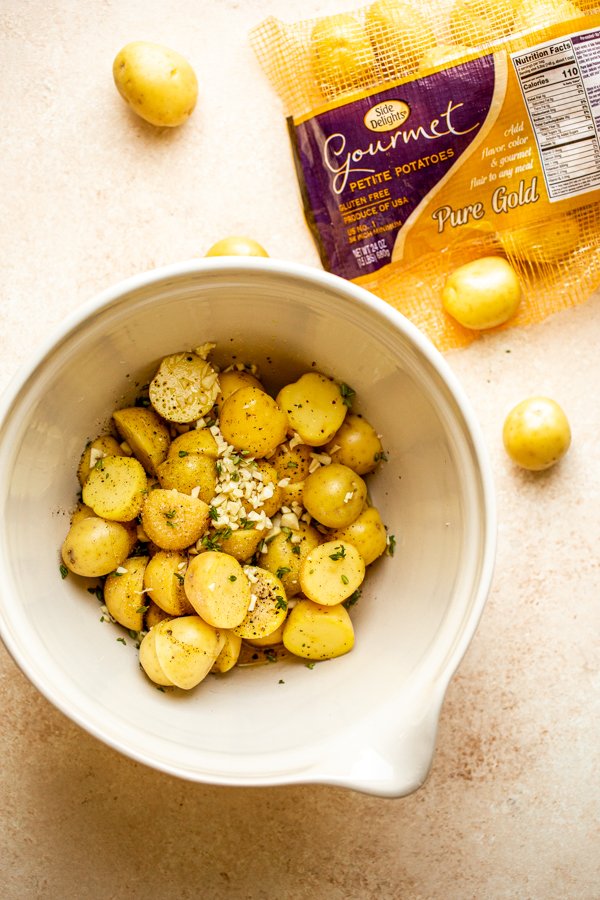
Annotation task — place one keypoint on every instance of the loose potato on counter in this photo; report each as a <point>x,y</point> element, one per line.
<point>252,422</point>
<point>334,495</point>
<point>95,547</point>
<point>399,35</point>
<point>332,572</point>
<point>124,593</point>
<point>146,434</point>
<point>172,520</point>
<point>157,83</point>
<point>356,444</point>
<point>318,632</point>
<point>314,407</point>
<point>163,582</point>
<point>218,589</point>
<point>342,55</point>
<point>237,245</point>
<point>116,488</point>
<point>536,433</point>
<point>367,534</point>
<point>104,445</point>
<point>484,293</point>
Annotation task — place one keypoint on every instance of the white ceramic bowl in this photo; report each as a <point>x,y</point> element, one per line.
<point>366,720</point>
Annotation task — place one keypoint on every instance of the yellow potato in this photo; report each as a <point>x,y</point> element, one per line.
<point>543,243</point>
<point>314,406</point>
<point>146,434</point>
<point>252,422</point>
<point>188,471</point>
<point>197,440</point>
<point>186,649</point>
<point>332,572</point>
<point>218,589</point>
<point>286,553</point>
<point>116,488</point>
<point>232,381</point>
<point>124,593</point>
<point>318,632</point>
<point>269,640</point>
<point>236,245</point>
<point>154,614</point>
<point>292,493</point>
<point>230,652</point>
<point>185,387</point>
<point>367,534</point>
<point>95,547</point>
<point>399,35</point>
<point>334,495</point>
<point>157,83</point>
<point>477,22</point>
<point>536,433</point>
<point>268,607</point>
<point>541,13</point>
<point>172,520</point>
<point>356,444</point>
<point>104,445</point>
<point>342,56</point>
<point>163,582</point>
<point>483,293</point>
<point>149,660</point>
<point>442,54</point>
<point>292,462</point>
<point>241,543</point>
<point>80,512</point>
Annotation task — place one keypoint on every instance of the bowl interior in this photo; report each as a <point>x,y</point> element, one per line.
<point>418,608</point>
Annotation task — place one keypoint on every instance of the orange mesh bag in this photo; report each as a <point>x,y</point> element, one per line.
<point>426,136</point>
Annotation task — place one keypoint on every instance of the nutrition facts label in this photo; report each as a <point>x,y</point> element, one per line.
<point>560,82</point>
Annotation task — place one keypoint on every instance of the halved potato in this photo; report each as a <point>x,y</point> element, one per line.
<point>318,632</point>
<point>146,433</point>
<point>116,488</point>
<point>124,593</point>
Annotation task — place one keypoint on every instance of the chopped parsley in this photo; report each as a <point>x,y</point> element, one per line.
<point>344,579</point>
<point>348,394</point>
<point>63,571</point>
<point>391,545</point>
<point>183,453</point>
<point>381,455</point>
<point>179,577</point>
<point>213,513</point>
<point>282,570</point>
<point>122,640</point>
<point>340,552</point>
<point>233,578</point>
<point>271,655</point>
<point>352,599</point>
<point>296,549</point>
<point>280,602</point>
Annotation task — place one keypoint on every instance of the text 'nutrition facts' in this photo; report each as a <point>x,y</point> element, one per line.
<point>560,81</point>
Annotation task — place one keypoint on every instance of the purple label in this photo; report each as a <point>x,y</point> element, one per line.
<point>364,167</point>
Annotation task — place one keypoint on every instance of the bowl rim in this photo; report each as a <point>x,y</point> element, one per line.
<point>444,672</point>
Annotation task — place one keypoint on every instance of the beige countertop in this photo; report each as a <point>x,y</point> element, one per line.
<point>511,809</point>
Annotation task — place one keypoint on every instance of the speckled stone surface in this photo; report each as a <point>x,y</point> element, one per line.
<point>511,808</point>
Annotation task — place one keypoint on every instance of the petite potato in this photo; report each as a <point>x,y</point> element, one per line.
<point>318,632</point>
<point>367,534</point>
<point>441,55</point>
<point>400,36</point>
<point>154,614</point>
<point>146,434</point>
<point>231,381</point>
<point>149,660</point>
<point>172,520</point>
<point>94,547</point>
<point>197,440</point>
<point>356,444</point>
<point>292,462</point>
<point>483,293</point>
<point>286,552</point>
<point>156,82</point>
<point>543,243</point>
<point>270,604</point>
<point>241,543</point>
<point>314,408</point>
<point>163,582</point>
<point>292,493</point>
<point>332,572</point>
<point>252,422</point>
<point>80,512</point>
<point>334,495</point>
<point>268,640</point>
<point>124,593</point>
<point>237,245</point>
<point>104,445</point>
<point>184,388</point>
<point>218,589</point>
<point>477,22</point>
<point>230,652</point>
<point>116,488</point>
<point>186,472</point>
<point>186,649</point>
<point>342,56</point>
<point>536,433</point>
